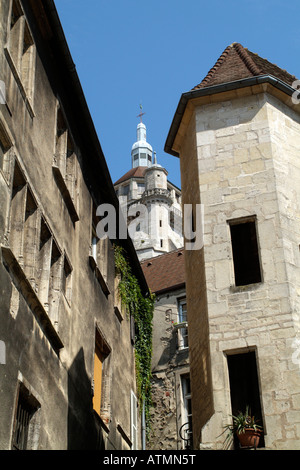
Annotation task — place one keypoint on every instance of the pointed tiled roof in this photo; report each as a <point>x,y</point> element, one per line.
<point>237,67</point>
<point>165,272</point>
<point>236,63</point>
<point>137,172</point>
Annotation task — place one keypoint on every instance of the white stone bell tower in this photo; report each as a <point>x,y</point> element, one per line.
<point>158,229</point>
<point>141,151</point>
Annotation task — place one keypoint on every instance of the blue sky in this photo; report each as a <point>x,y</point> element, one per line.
<point>134,52</point>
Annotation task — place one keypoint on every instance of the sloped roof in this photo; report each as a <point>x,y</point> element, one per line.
<point>165,272</point>
<point>236,63</point>
<point>237,67</point>
<point>137,172</point>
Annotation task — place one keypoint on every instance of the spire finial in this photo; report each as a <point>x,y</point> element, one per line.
<point>141,113</point>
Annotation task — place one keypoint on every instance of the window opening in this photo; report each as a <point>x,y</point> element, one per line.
<point>101,377</point>
<point>244,386</point>
<point>26,408</point>
<point>245,253</point>
<point>182,332</point>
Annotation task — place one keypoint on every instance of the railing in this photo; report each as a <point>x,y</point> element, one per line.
<point>186,435</point>
<point>157,192</point>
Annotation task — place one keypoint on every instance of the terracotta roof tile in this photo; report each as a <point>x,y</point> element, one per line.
<point>137,172</point>
<point>165,272</point>
<point>236,63</point>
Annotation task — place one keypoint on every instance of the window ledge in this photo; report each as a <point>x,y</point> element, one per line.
<point>101,422</point>
<point>100,278</point>
<point>19,81</point>
<point>124,435</point>
<point>182,349</point>
<point>118,314</point>
<point>178,326</point>
<point>16,272</point>
<point>254,286</point>
<point>65,193</point>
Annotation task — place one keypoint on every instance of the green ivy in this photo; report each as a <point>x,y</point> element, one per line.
<point>141,308</point>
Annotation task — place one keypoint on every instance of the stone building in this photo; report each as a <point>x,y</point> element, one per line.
<point>64,338</point>
<point>151,202</point>
<point>171,420</point>
<point>237,135</point>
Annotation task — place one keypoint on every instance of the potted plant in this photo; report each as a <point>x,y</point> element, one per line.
<point>245,427</point>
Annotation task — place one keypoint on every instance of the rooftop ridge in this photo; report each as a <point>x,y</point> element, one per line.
<point>214,68</point>
<point>177,250</point>
<point>237,62</point>
<point>243,53</point>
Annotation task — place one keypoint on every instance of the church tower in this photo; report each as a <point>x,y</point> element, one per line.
<point>157,228</point>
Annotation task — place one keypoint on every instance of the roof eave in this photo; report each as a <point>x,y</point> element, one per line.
<point>211,90</point>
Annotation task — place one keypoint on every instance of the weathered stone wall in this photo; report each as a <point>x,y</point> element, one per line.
<point>53,356</point>
<point>168,364</point>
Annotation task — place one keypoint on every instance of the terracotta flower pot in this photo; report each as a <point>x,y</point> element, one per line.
<point>249,438</point>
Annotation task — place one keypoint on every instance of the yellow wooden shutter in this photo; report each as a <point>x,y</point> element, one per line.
<point>97,380</point>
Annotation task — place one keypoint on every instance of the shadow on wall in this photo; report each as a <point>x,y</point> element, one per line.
<point>83,432</point>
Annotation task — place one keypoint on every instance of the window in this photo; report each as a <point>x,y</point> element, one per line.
<point>43,262</point>
<point>134,415</point>
<point>182,327</point>
<point>17,212</point>
<point>29,235</point>
<point>54,284</point>
<point>99,252</point>
<point>141,188</point>
<point>187,431</point>
<point>6,162</point>
<point>64,165</point>
<point>125,190</point>
<point>182,310</point>
<point>101,401</point>
<point>24,423</point>
<point>22,48</point>
<point>245,252</point>
<point>244,385</point>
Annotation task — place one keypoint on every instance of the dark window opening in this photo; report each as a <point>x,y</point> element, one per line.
<point>244,387</point>
<point>245,253</point>
<point>26,408</point>
<point>66,279</point>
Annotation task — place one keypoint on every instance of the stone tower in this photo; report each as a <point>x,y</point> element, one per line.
<point>237,134</point>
